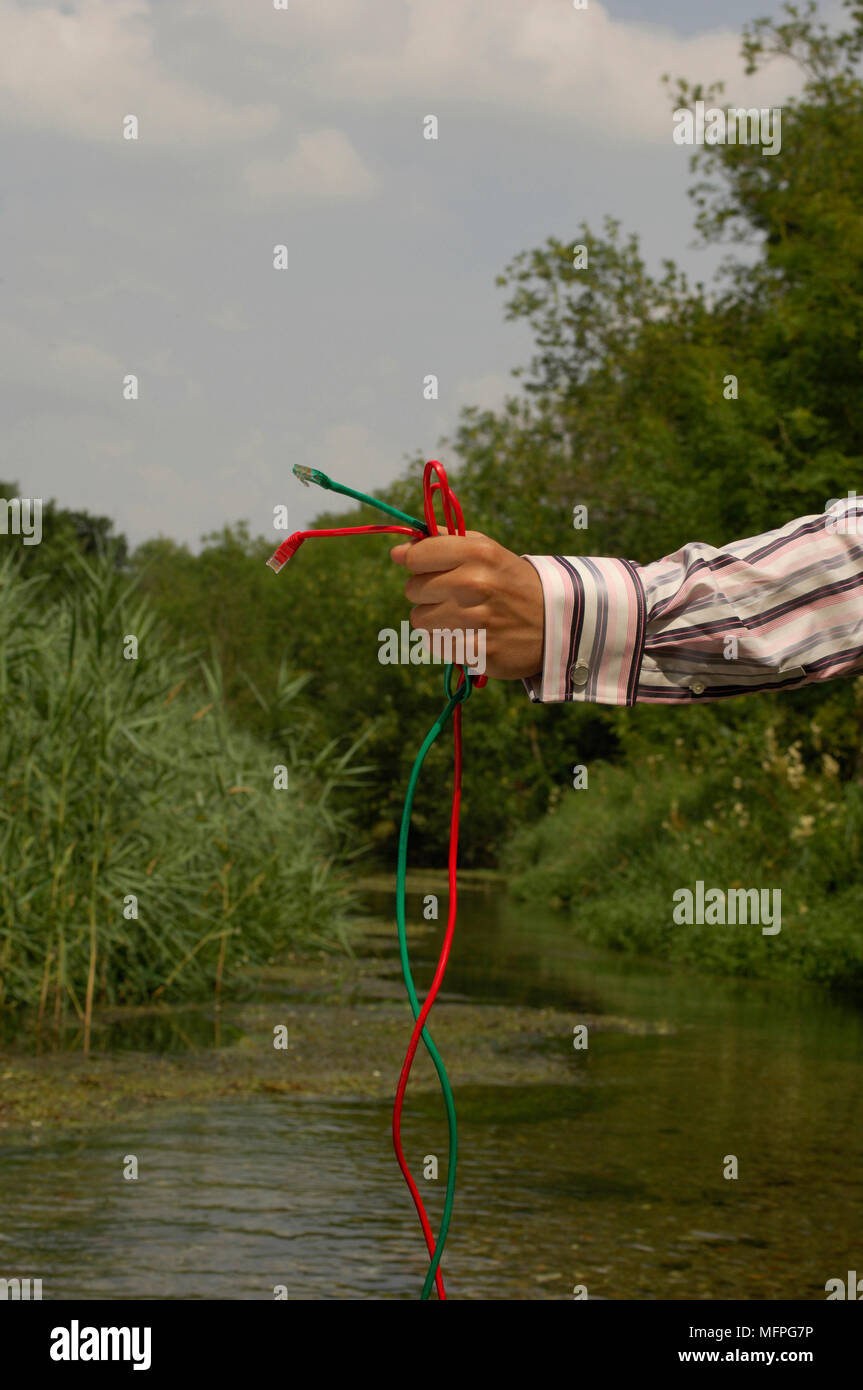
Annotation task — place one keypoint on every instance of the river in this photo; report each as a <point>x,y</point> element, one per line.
<point>613,1181</point>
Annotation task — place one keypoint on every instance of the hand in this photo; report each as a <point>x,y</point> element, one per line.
<point>470,581</point>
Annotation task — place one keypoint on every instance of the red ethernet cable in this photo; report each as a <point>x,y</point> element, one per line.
<point>418,530</point>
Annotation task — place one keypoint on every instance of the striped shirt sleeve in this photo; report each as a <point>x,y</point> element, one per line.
<point>775,612</point>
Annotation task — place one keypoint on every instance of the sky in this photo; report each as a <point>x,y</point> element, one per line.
<point>303,127</point>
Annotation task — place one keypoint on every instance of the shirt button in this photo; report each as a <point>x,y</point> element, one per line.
<point>579,673</point>
<point>698,687</point>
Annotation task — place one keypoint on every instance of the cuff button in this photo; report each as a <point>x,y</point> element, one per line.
<point>579,673</point>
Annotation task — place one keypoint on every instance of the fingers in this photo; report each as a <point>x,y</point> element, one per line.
<point>436,554</point>
<point>440,616</point>
<point>424,617</point>
<point>399,552</point>
<point>430,588</point>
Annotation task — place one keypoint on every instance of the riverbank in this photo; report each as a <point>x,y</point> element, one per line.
<point>773,852</point>
<point>347,1022</point>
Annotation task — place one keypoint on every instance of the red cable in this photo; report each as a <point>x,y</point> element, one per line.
<point>432,995</point>
<point>455,526</point>
<point>290,546</point>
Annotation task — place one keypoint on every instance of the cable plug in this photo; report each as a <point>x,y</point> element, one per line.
<point>310,475</point>
<point>286,550</point>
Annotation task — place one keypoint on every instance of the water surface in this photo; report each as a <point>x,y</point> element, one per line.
<point>613,1181</point>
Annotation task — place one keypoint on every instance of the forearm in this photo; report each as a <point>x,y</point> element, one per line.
<point>773,612</point>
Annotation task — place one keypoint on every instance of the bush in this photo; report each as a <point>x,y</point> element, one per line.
<point>126,777</point>
<point>741,811</point>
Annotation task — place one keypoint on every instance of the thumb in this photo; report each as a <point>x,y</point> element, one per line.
<point>399,553</point>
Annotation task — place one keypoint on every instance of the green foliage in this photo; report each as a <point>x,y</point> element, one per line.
<point>65,534</point>
<point>735,808</point>
<point>323,615</point>
<point>622,409</point>
<point>127,776</point>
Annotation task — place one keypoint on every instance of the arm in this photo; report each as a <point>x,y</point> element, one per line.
<point>774,612</point>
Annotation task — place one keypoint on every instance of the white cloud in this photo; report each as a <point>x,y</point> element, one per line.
<point>159,270</point>
<point>345,22</point>
<point>576,70</point>
<point>323,167</point>
<point>80,72</point>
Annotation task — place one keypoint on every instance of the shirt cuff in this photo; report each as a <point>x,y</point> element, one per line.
<point>595,623</point>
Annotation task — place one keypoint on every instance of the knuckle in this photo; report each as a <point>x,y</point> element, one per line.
<point>478,579</point>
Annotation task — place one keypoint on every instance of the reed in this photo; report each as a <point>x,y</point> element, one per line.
<point>126,779</point>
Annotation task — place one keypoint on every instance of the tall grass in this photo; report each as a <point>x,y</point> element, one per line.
<point>125,779</point>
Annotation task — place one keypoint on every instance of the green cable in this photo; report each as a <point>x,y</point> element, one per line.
<point>461,694</point>
<point>314,475</point>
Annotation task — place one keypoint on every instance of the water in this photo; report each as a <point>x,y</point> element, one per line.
<point>612,1180</point>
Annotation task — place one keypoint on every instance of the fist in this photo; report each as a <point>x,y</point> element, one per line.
<point>470,581</point>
